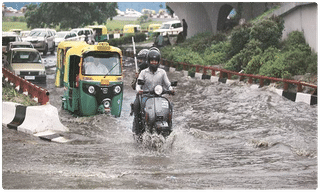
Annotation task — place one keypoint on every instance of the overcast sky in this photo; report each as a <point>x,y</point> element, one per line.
<point>138,6</point>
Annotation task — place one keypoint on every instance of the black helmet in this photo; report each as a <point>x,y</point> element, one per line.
<point>143,54</point>
<point>154,54</point>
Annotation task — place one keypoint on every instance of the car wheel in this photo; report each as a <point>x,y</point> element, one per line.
<point>45,50</point>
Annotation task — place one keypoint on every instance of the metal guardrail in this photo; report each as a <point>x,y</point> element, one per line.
<point>37,93</point>
<point>242,76</point>
<point>228,74</point>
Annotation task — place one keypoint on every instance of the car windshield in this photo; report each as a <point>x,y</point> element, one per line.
<point>7,40</point>
<point>165,26</point>
<point>22,46</point>
<point>37,33</point>
<point>61,35</point>
<point>26,57</point>
<point>101,63</point>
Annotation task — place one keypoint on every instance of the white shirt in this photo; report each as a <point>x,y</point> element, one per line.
<point>153,79</point>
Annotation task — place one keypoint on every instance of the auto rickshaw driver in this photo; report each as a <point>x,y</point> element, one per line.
<point>95,66</point>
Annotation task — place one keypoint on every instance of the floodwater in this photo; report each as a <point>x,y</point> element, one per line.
<point>224,137</point>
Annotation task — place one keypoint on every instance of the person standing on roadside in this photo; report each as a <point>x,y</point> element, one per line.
<point>185,29</point>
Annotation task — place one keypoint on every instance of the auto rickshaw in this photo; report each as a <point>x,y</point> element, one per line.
<point>101,33</point>
<point>153,27</point>
<point>131,28</point>
<point>92,78</point>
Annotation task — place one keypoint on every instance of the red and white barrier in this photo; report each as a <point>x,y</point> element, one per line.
<point>37,93</point>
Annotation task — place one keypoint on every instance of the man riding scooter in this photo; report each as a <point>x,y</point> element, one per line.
<point>151,76</point>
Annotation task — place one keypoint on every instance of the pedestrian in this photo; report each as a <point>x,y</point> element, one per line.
<point>185,28</point>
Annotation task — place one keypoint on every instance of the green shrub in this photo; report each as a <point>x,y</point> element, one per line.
<point>268,32</point>
<point>239,37</point>
<point>312,62</point>
<point>286,64</point>
<point>240,61</point>
<point>257,61</point>
<point>127,39</point>
<point>180,54</point>
<point>217,53</point>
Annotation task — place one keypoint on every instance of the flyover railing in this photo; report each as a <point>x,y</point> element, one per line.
<point>37,93</point>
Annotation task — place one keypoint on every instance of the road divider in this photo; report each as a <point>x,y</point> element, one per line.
<point>42,121</point>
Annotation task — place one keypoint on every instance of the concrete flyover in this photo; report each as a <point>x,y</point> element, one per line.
<point>212,16</point>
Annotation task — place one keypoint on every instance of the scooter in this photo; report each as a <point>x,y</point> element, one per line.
<point>155,111</point>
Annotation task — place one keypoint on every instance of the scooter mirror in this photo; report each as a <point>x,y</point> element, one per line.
<point>140,82</point>
<point>174,83</point>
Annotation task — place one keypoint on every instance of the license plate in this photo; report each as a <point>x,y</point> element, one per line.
<point>29,77</point>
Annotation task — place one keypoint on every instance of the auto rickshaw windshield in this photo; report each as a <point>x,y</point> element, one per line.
<point>101,63</point>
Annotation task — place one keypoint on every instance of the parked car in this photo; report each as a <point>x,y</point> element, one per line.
<point>83,32</point>
<point>8,37</point>
<point>26,63</point>
<point>66,35</point>
<point>16,44</point>
<point>24,35</point>
<point>170,28</point>
<point>42,40</point>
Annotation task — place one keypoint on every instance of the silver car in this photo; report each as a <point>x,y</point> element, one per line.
<point>42,40</point>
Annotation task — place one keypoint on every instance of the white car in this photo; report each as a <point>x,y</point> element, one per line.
<point>171,28</point>
<point>24,35</point>
<point>66,36</point>
<point>83,32</point>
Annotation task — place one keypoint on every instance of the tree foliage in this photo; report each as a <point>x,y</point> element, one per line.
<point>69,15</point>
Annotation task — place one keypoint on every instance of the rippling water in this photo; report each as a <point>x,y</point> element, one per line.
<point>225,137</point>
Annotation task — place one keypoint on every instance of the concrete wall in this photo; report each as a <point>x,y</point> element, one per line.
<point>301,17</point>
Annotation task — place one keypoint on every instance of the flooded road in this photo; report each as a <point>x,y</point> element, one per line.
<point>224,137</point>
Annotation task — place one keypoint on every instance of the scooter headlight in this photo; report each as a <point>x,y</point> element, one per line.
<point>91,89</point>
<point>158,90</point>
<point>117,89</point>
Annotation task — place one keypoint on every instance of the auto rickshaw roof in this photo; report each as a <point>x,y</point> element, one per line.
<point>64,44</point>
<point>102,27</point>
<point>80,49</point>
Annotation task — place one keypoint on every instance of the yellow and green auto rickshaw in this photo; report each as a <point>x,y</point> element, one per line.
<point>152,28</point>
<point>101,32</point>
<point>92,78</point>
<point>131,29</point>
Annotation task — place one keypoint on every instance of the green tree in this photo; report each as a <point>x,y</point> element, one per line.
<point>69,15</point>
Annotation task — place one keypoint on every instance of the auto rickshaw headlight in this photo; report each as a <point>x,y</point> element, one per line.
<point>91,89</point>
<point>117,89</point>
<point>106,103</point>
